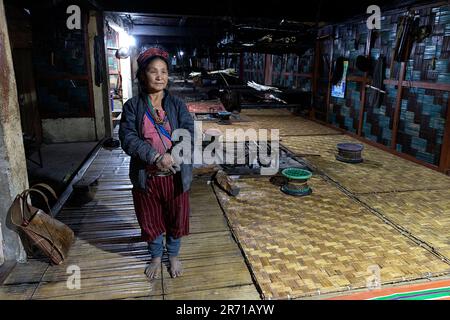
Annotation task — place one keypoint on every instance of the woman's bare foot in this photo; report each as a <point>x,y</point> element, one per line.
<point>175,269</point>
<point>153,270</point>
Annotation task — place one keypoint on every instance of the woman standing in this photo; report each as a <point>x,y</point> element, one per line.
<point>160,186</point>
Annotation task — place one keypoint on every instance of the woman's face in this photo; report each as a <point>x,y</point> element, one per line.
<point>156,76</point>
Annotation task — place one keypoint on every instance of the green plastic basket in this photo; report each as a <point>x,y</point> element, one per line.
<point>296,174</point>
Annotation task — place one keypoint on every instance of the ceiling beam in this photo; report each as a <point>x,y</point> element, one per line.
<point>164,31</point>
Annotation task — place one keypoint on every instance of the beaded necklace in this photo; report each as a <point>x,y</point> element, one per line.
<point>154,112</point>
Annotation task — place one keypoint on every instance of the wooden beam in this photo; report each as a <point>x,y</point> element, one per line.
<point>164,31</point>
<point>356,79</point>
<point>398,105</point>
<point>420,84</point>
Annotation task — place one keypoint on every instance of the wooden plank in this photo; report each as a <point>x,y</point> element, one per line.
<point>17,291</point>
<point>100,289</point>
<point>245,292</point>
<point>29,272</point>
<point>207,277</point>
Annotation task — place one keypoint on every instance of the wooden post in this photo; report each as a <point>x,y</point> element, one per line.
<point>241,66</point>
<point>13,165</point>
<point>363,88</point>
<point>398,105</point>
<point>444,161</point>
<point>315,78</point>
<point>330,74</point>
<point>268,69</point>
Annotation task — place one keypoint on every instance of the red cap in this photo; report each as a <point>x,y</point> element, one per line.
<point>151,52</point>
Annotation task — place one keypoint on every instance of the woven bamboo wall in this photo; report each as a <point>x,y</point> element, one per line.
<point>254,67</point>
<point>422,123</point>
<point>345,111</point>
<point>423,111</point>
<point>287,67</point>
<point>377,122</point>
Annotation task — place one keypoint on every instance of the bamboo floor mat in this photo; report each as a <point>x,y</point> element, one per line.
<point>266,112</point>
<point>288,125</point>
<point>323,243</point>
<point>291,125</point>
<point>426,215</point>
<point>380,171</point>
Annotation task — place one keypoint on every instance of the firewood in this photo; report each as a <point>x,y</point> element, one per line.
<point>226,183</point>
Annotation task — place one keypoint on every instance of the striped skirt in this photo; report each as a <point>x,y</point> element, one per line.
<point>162,208</point>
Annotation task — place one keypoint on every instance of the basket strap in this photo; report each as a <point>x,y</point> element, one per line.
<point>17,216</point>
<point>47,187</point>
<point>26,193</point>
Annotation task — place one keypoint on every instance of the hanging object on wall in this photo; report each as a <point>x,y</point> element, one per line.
<point>123,53</point>
<point>406,31</point>
<point>363,63</point>
<point>338,70</point>
<point>338,89</point>
<point>376,90</point>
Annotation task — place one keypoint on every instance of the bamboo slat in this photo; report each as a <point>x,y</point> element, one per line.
<point>245,292</point>
<point>18,291</point>
<point>29,272</point>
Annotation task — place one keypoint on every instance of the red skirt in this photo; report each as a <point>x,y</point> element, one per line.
<point>163,208</point>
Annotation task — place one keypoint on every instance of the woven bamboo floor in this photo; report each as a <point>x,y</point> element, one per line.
<point>380,171</point>
<point>112,257</point>
<point>288,125</point>
<point>291,125</point>
<point>323,243</point>
<point>426,215</point>
<point>266,112</point>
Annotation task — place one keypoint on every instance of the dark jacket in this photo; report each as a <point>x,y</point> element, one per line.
<point>142,153</point>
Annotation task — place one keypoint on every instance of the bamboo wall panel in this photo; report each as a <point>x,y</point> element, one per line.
<point>254,64</point>
<point>377,120</point>
<point>344,112</point>
<point>422,123</point>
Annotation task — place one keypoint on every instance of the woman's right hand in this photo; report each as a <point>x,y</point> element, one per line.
<point>165,162</point>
